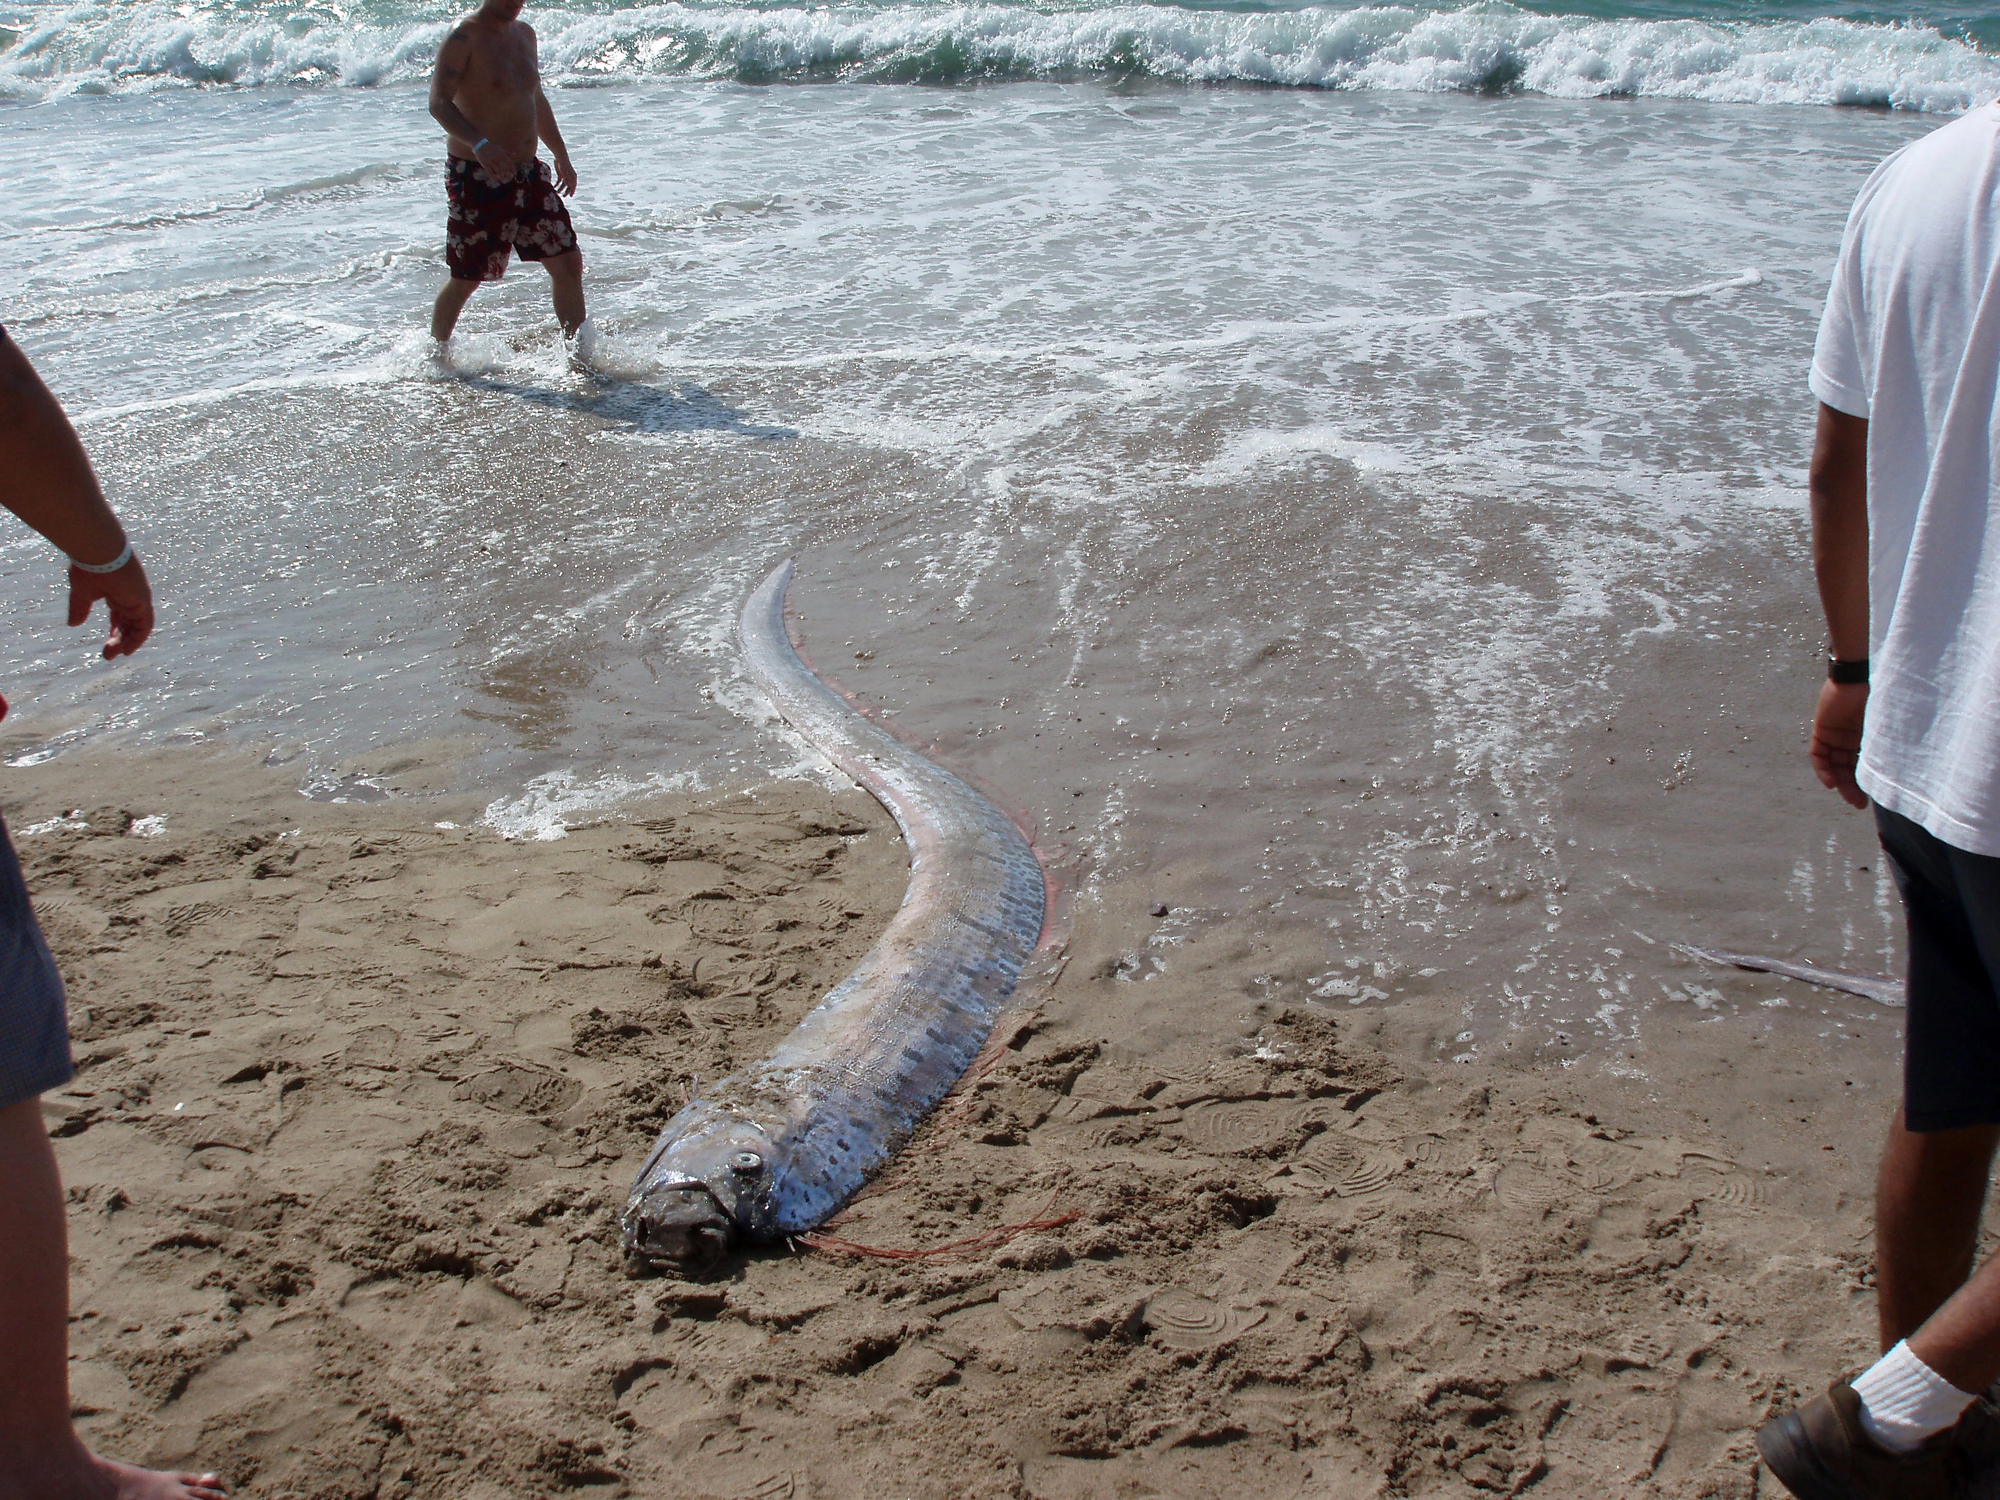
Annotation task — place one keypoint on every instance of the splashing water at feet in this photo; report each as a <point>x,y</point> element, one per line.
<point>583,348</point>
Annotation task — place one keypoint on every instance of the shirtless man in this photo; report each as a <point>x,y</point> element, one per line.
<point>487,94</point>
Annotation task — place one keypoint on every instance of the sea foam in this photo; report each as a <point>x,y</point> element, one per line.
<point>1484,47</point>
<point>552,804</point>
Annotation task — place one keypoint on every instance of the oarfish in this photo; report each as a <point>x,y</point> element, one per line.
<point>776,1148</point>
<point>1877,987</point>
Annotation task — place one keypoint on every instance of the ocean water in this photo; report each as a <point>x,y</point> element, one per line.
<point>1337,471</point>
<point>1794,51</point>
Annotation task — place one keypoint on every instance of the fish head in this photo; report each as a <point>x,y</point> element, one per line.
<point>707,1187</point>
<point>677,1226</point>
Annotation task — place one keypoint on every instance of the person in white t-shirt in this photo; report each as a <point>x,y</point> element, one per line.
<point>1906,550</point>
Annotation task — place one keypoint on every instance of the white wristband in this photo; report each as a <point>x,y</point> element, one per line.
<point>480,144</point>
<point>111,567</point>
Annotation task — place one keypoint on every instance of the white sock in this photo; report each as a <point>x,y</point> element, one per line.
<point>1904,1401</point>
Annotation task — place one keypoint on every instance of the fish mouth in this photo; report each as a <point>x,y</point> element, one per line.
<point>681,1228</point>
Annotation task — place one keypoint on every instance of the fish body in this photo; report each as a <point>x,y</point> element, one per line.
<point>778,1147</point>
<point>1880,988</point>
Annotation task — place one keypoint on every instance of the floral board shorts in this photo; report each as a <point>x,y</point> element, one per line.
<point>489,218</point>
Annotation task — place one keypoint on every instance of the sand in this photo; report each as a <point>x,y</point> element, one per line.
<point>359,1099</point>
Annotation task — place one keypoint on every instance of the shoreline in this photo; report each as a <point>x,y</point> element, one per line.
<point>1360,530</point>
<point>369,1245</point>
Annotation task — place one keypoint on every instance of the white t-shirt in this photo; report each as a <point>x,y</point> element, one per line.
<point>1911,341</point>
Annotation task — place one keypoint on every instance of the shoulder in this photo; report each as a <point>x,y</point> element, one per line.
<point>1934,177</point>
<point>1960,146</point>
<point>458,41</point>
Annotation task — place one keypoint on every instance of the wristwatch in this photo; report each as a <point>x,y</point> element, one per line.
<point>1846,673</point>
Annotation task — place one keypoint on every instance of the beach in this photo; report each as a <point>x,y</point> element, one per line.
<point>359,1100</point>
<point>1335,477</point>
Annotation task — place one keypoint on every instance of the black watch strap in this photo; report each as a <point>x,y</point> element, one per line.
<point>1847,673</point>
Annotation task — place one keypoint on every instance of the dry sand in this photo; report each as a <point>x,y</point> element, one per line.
<point>359,1100</point>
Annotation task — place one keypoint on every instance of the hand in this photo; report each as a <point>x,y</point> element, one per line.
<point>565,177</point>
<point>497,160</point>
<point>127,596</point>
<point>1836,738</point>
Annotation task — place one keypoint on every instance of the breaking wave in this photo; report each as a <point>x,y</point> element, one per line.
<point>1492,47</point>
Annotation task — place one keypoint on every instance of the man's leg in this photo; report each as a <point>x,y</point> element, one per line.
<point>1940,1169</point>
<point>34,1295</point>
<point>1962,1339</point>
<point>451,300</point>
<point>1889,1432</point>
<point>40,1453</point>
<point>1928,1197</point>
<point>566,290</point>
<point>1931,1187</point>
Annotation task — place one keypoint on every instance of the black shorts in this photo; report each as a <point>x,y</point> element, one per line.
<point>1951,1032</point>
<point>34,1022</point>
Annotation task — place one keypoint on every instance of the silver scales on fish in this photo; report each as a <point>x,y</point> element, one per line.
<point>778,1147</point>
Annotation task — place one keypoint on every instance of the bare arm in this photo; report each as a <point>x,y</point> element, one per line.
<point>449,73</point>
<point>46,480</point>
<point>545,127</point>
<point>1839,489</point>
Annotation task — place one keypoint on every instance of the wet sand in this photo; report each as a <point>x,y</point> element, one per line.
<point>359,1099</point>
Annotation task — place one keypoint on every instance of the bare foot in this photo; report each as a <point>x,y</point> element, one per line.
<point>125,1482</point>
<point>70,1471</point>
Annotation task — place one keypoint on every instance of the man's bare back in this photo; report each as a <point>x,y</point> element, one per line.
<point>487,94</point>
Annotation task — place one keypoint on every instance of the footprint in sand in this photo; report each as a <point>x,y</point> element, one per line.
<point>1437,1251</point>
<point>519,1088</point>
<point>1323,1111</point>
<point>1044,1306</point>
<point>1641,1351</point>
<point>1534,1185</point>
<point>1350,1169</point>
<point>1230,1129</point>
<point>1738,1191</point>
<point>1184,1321</point>
<point>377,1047</point>
<point>180,920</point>
<point>1702,1161</point>
<point>1107,1135</point>
<point>1526,1186</point>
<point>1602,1167</point>
<point>1719,1180</point>
<point>1435,1153</point>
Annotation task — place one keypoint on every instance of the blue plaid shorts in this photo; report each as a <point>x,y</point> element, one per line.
<point>34,1018</point>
